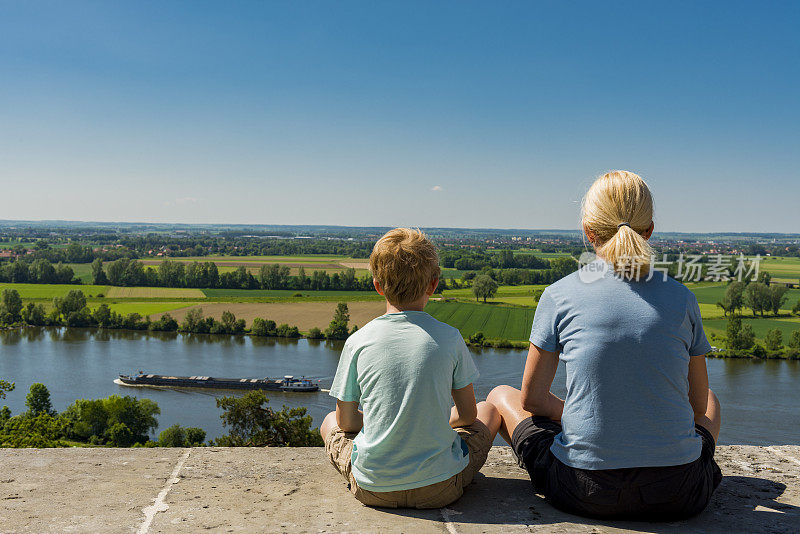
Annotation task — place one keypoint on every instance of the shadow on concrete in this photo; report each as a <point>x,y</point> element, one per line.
<point>739,504</point>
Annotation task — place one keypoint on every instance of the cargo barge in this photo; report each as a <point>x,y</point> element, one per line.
<point>287,383</point>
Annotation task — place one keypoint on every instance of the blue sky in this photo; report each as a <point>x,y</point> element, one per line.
<point>459,114</point>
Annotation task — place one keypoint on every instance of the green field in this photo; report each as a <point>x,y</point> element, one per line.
<point>48,291</point>
<point>83,271</point>
<point>495,321</point>
<point>519,295</point>
<point>715,292</point>
<point>783,269</point>
<point>760,326</point>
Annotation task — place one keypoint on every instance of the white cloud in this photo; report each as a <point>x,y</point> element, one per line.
<point>437,188</point>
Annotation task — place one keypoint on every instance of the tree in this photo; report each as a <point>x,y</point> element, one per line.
<point>21,431</point>
<point>10,306</point>
<point>252,424</point>
<point>34,314</point>
<point>774,339</point>
<point>738,336</point>
<point>757,297</point>
<point>98,274</point>
<point>102,315</point>
<point>73,301</point>
<point>484,287</point>
<point>193,321</point>
<point>777,297</point>
<point>794,341</point>
<point>338,327</point>
<point>116,420</point>
<point>733,299</point>
<point>38,400</point>
<point>796,308</point>
<point>165,324</point>
<point>178,436</point>
<point>263,327</point>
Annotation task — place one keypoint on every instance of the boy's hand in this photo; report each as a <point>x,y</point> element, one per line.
<point>465,411</point>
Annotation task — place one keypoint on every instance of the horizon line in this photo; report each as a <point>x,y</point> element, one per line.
<point>270,225</point>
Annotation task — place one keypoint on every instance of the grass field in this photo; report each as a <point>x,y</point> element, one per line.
<point>48,291</point>
<point>713,293</point>
<point>155,292</point>
<point>783,269</point>
<point>519,295</point>
<point>496,322</point>
<point>760,326</point>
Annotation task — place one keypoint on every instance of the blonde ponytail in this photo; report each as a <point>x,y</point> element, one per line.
<point>618,209</point>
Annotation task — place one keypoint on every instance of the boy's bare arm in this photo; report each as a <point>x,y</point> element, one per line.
<point>540,370</point>
<point>698,386</point>
<point>348,417</point>
<point>465,411</point>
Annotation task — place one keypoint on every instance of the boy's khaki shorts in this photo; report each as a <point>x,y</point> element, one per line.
<point>339,447</point>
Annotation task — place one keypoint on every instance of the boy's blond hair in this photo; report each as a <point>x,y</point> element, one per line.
<point>404,262</point>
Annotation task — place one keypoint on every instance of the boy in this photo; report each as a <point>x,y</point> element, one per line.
<point>403,368</point>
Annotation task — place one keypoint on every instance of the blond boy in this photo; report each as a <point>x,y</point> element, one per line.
<point>408,447</point>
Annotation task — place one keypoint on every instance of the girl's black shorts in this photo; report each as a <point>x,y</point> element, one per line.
<point>648,493</point>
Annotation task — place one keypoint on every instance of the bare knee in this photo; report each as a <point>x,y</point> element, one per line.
<point>327,424</point>
<point>500,395</point>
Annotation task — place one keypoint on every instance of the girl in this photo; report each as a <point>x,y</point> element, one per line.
<point>635,435</point>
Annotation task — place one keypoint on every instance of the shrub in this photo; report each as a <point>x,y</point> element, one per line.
<point>315,333</point>
<point>263,327</point>
<point>252,424</point>
<point>794,341</point>
<point>178,436</point>
<point>285,330</point>
<point>28,431</point>
<point>477,338</point>
<point>774,339</point>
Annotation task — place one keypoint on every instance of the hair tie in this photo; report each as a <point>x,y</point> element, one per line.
<point>620,225</point>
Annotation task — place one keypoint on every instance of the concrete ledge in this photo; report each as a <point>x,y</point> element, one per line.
<point>295,490</point>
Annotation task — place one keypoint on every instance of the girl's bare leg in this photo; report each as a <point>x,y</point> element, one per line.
<point>508,402</point>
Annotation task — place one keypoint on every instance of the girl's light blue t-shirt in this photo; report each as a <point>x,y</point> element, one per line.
<point>626,345</point>
<point>402,368</point>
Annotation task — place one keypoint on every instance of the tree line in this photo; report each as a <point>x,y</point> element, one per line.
<point>71,310</point>
<point>125,421</point>
<point>127,272</point>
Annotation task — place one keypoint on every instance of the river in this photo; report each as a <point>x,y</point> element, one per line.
<point>759,397</point>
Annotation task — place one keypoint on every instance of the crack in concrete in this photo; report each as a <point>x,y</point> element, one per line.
<point>447,518</point>
<point>158,503</point>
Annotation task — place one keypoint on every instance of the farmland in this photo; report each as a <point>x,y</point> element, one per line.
<point>782,269</point>
<point>519,295</point>
<point>508,315</point>
<point>154,292</point>
<point>304,315</point>
<point>49,291</point>
<point>495,321</point>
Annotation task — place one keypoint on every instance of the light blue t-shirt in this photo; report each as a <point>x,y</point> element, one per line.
<point>626,345</point>
<point>402,368</point>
